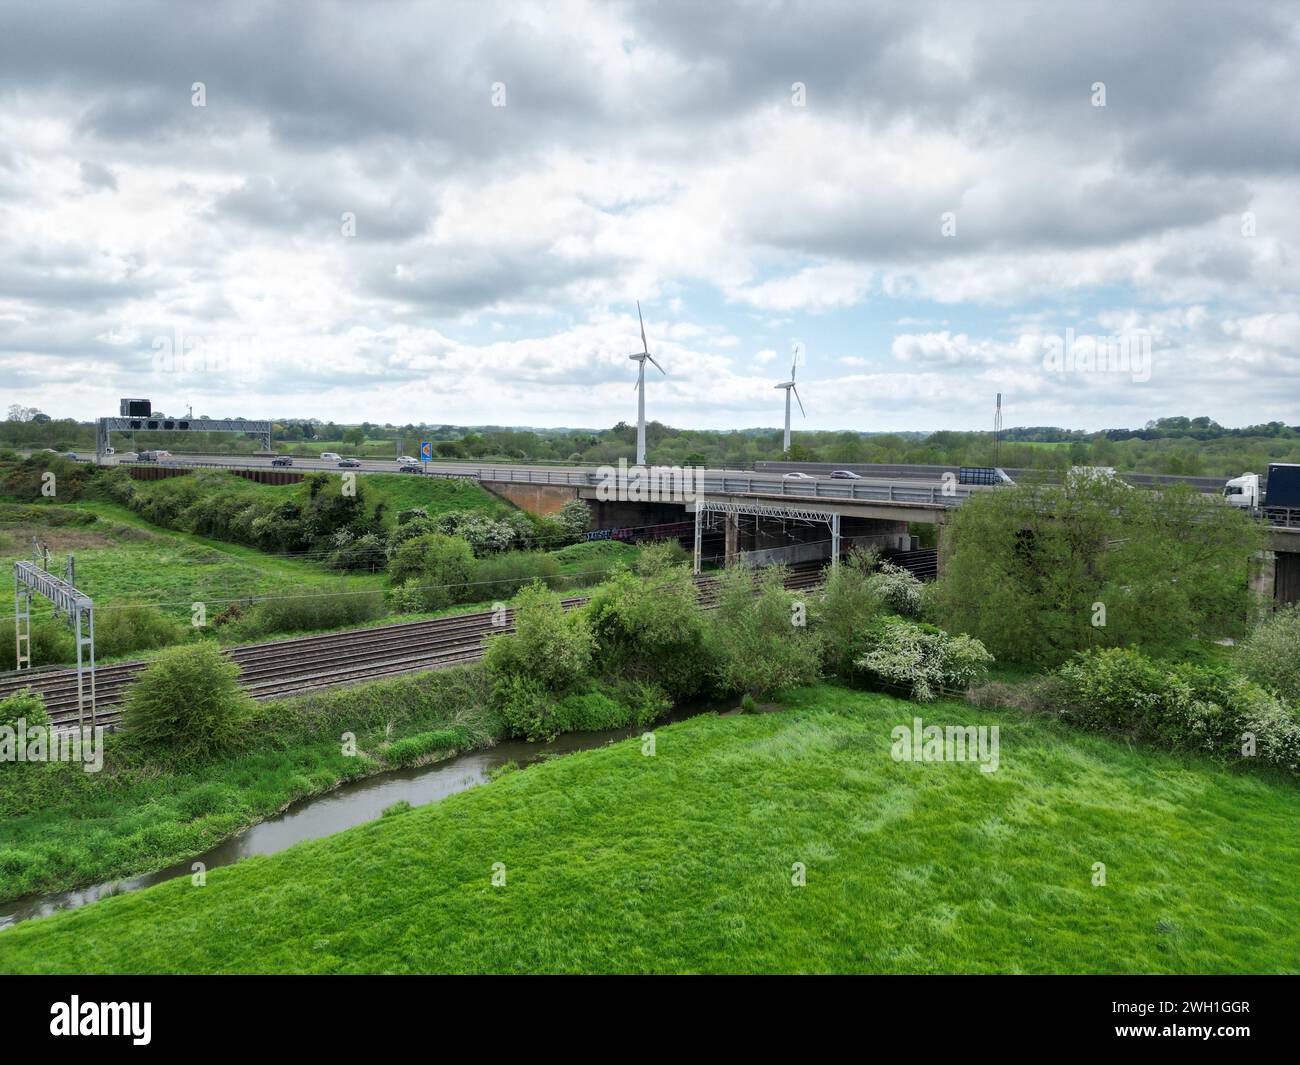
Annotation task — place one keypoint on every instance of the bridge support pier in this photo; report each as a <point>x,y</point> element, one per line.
<point>731,539</point>
<point>1263,582</point>
<point>943,544</point>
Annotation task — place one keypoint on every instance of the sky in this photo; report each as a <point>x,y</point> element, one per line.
<point>446,212</point>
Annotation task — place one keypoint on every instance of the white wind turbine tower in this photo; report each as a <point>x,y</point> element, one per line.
<point>789,387</point>
<point>641,357</point>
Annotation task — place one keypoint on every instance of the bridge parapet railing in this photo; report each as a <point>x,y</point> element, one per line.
<point>1283,517</point>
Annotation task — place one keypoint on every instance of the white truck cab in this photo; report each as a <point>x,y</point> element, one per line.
<point>1243,491</point>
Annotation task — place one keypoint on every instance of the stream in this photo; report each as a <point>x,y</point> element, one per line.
<point>352,804</point>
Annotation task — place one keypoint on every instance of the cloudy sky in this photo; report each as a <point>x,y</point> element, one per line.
<point>445,212</point>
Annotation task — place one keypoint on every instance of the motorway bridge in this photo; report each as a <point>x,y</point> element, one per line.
<point>762,515</point>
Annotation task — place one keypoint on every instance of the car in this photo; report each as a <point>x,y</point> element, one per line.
<point>282,460</point>
<point>846,475</point>
<point>349,463</point>
<point>410,467</point>
<point>70,455</point>
<point>406,460</point>
<point>48,451</point>
<point>330,456</point>
<point>160,455</point>
<point>798,475</point>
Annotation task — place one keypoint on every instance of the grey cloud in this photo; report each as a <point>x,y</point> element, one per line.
<point>95,176</point>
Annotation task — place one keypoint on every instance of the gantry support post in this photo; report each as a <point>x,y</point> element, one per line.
<point>699,514</point>
<point>22,626</point>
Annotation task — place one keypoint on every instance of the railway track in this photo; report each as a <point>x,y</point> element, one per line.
<point>309,663</point>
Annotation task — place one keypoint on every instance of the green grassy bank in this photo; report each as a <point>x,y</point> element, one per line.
<point>615,861</point>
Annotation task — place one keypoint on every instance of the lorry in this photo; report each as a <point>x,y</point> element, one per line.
<point>1280,490</point>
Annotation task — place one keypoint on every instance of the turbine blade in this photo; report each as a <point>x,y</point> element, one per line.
<point>796,396</point>
<point>657,366</point>
<point>644,345</point>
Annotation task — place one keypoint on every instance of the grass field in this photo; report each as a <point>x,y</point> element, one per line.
<point>615,861</point>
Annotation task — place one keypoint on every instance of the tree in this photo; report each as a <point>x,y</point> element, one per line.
<point>550,644</point>
<point>442,566</point>
<point>648,626</point>
<point>843,609</point>
<point>756,637</point>
<point>1039,572</point>
<point>355,436</point>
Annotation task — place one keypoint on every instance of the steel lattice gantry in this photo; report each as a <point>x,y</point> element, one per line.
<point>30,579</point>
<point>789,512</point>
<point>159,424</point>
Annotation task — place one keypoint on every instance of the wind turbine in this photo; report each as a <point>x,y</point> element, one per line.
<point>641,357</point>
<point>789,387</point>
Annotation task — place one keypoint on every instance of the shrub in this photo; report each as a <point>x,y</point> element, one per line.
<point>591,711</point>
<point>757,644</point>
<point>408,530</point>
<point>844,607</point>
<point>550,645</point>
<point>189,701</point>
<point>1210,709</point>
<point>485,535</point>
<point>526,707</point>
<point>443,566</point>
<point>306,613</point>
<point>123,630</point>
<point>1118,688</point>
<point>922,658</point>
<point>411,749</point>
<point>24,705</point>
<point>574,517</point>
<point>1270,655</point>
<point>502,576</point>
<point>52,644</point>
<point>612,705</point>
<point>351,552</point>
<point>661,557</point>
<point>648,626</point>
<point>899,589</point>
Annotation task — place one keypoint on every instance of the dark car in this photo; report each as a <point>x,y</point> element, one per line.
<point>846,475</point>
<point>409,467</point>
<point>282,460</point>
<point>349,463</point>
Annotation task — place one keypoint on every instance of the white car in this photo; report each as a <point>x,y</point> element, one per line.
<point>406,460</point>
<point>330,456</point>
<point>798,475</point>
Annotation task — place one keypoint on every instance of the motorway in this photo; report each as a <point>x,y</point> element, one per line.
<point>923,490</point>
